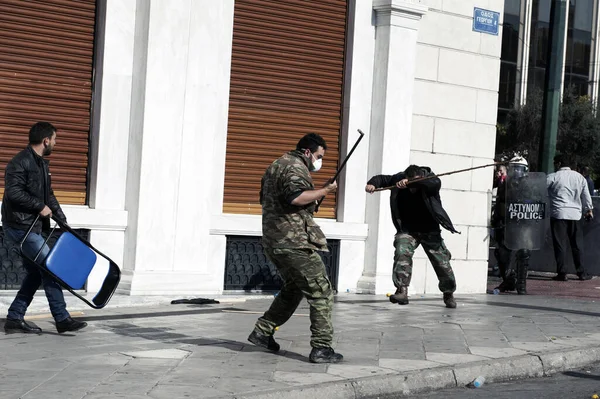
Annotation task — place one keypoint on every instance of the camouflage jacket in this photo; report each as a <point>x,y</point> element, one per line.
<point>285,225</point>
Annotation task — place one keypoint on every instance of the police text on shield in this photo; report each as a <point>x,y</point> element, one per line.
<point>534,211</point>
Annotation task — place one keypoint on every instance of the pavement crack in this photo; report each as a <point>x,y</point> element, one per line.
<point>166,373</point>
<point>464,335</point>
<point>48,379</point>
<point>455,378</point>
<point>354,386</point>
<point>545,374</point>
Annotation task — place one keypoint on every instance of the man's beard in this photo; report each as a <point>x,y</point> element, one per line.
<point>47,150</point>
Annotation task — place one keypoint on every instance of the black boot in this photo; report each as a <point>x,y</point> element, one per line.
<point>509,281</point>
<point>69,324</point>
<point>14,325</point>
<point>264,341</point>
<point>324,355</point>
<point>401,296</point>
<point>584,276</point>
<point>449,300</point>
<point>522,269</point>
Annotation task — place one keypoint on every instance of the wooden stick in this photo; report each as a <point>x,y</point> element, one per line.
<point>419,179</point>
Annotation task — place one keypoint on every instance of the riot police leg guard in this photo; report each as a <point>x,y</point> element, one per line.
<point>522,268</point>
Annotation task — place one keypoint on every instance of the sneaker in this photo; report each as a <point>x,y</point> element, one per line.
<point>264,341</point>
<point>449,300</point>
<point>69,324</point>
<point>324,355</point>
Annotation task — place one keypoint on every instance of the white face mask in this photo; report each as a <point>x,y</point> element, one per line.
<point>316,165</point>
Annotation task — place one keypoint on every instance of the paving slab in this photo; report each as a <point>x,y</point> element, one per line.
<point>149,348</point>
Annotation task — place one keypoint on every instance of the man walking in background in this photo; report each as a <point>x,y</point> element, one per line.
<point>585,171</point>
<point>569,195</point>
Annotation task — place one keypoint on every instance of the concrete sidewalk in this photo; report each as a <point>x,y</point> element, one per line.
<point>157,350</point>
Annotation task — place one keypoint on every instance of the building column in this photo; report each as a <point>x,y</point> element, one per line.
<point>179,104</point>
<point>595,56</point>
<point>396,24</point>
<point>108,157</point>
<point>564,64</point>
<point>524,47</point>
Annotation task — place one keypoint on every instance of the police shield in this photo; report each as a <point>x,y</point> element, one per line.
<point>527,210</point>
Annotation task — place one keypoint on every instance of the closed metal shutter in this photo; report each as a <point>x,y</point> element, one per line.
<point>286,80</point>
<point>46,60</point>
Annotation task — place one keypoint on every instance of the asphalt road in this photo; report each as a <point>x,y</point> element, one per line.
<point>568,385</point>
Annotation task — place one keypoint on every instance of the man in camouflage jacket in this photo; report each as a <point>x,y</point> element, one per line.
<point>290,240</point>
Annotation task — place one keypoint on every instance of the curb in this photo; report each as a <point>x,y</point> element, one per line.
<point>410,383</point>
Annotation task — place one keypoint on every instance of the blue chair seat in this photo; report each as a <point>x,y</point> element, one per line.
<point>71,260</point>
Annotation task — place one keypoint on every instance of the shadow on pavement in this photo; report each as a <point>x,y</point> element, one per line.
<point>199,309</point>
<point>168,335</point>
<point>586,376</point>
<point>543,308</point>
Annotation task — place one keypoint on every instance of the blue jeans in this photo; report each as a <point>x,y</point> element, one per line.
<point>34,278</point>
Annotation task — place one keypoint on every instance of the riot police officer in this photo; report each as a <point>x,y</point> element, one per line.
<point>518,169</point>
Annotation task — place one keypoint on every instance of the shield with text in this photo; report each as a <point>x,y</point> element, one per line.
<point>527,210</point>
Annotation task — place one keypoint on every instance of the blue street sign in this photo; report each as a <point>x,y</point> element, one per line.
<point>486,21</point>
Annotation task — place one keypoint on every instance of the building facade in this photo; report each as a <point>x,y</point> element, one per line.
<point>187,102</point>
<point>524,54</point>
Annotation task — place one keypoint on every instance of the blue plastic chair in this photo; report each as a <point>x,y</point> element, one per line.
<point>70,262</point>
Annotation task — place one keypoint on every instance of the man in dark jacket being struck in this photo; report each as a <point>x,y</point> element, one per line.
<point>417,213</point>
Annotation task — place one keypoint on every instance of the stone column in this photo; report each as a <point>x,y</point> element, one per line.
<point>108,157</point>
<point>396,24</point>
<point>177,136</point>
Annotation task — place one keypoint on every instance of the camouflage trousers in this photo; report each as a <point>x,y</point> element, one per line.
<point>304,275</point>
<point>436,251</point>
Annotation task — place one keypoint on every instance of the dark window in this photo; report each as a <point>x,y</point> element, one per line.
<point>507,89</point>
<point>509,59</point>
<point>540,35</point>
<point>579,45</point>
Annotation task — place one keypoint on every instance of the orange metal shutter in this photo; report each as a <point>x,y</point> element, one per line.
<point>286,80</point>
<point>46,57</point>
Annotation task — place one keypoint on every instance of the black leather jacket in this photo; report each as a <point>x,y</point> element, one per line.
<point>27,190</point>
<point>430,190</point>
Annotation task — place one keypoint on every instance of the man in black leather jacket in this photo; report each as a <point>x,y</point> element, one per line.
<point>417,213</point>
<point>28,193</point>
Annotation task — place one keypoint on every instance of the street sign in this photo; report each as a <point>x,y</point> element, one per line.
<point>486,21</point>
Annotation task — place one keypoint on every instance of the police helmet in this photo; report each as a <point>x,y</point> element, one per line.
<point>518,165</point>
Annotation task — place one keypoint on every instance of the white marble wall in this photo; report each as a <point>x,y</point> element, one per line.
<point>175,240</point>
<point>455,106</point>
<point>110,141</point>
<point>157,189</point>
<point>179,124</point>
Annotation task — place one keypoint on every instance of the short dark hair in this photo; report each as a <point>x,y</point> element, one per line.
<point>414,171</point>
<point>311,141</point>
<point>562,159</point>
<point>40,131</point>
